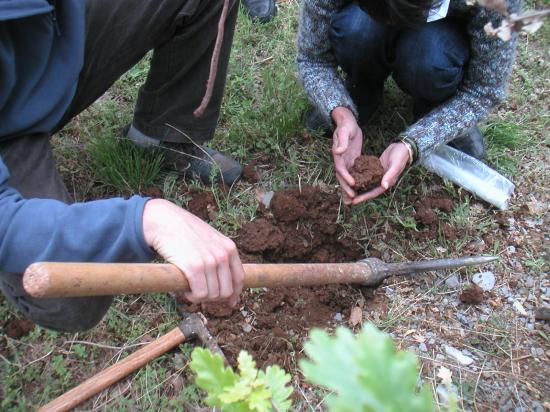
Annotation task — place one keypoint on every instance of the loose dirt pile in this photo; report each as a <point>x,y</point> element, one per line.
<point>367,171</point>
<point>426,215</point>
<point>271,324</point>
<point>301,226</point>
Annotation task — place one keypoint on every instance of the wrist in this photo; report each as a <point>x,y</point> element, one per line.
<point>411,148</point>
<point>342,114</point>
<point>153,209</point>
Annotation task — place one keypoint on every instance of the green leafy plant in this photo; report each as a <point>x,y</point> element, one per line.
<point>248,390</point>
<point>364,372</point>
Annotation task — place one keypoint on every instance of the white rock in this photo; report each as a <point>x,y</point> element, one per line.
<point>511,249</point>
<point>452,281</point>
<point>458,356</point>
<point>423,347</point>
<point>247,328</point>
<point>485,280</point>
<point>266,200</point>
<point>338,317</point>
<point>519,308</point>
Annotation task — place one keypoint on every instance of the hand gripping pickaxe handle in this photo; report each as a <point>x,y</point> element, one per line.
<point>49,279</point>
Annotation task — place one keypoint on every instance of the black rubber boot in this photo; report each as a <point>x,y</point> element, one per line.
<point>471,142</point>
<point>261,10</point>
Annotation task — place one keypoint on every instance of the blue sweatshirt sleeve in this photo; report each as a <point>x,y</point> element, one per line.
<point>33,230</point>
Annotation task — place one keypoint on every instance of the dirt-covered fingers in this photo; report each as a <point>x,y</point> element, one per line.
<point>371,194</point>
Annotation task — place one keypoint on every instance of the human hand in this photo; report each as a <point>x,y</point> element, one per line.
<point>346,147</point>
<point>394,160</point>
<point>209,260</point>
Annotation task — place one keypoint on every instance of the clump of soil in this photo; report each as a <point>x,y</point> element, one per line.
<point>427,216</point>
<point>472,295</point>
<point>153,192</point>
<point>203,205</point>
<point>17,328</point>
<point>367,171</point>
<point>301,228</point>
<point>425,210</point>
<point>250,174</point>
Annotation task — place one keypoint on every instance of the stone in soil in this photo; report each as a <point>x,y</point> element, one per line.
<point>485,280</point>
<point>472,295</point>
<point>367,171</point>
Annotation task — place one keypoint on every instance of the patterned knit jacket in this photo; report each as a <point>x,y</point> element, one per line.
<point>483,85</point>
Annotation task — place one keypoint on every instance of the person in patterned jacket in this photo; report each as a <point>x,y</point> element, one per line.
<point>438,53</point>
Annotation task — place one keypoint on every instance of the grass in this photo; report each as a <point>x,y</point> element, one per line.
<point>262,118</point>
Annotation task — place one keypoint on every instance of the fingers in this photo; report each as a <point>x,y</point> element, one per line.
<point>238,276</point>
<point>371,194</point>
<point>340,141</point>
<point>346,188</point>
<point>221,275</point>
<point>392,174</point>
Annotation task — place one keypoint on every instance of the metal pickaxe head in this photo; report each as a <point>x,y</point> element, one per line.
<point>193,326</point>
<point>381,270</point>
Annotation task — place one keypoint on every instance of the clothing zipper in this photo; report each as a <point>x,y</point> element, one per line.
<point>54,17</point>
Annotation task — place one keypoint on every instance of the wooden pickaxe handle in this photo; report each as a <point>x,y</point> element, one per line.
<point>48,279</point>
<point>116,372</point>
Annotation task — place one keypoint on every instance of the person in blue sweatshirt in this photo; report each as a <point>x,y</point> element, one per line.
<point>57,58</point>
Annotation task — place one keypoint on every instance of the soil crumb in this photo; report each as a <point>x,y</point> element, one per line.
<point>250,174</point>
<point>17,328</point>
<point>153,192</point>
<point>367,171</point>
<point>203,205</point>
<point>472,295</point>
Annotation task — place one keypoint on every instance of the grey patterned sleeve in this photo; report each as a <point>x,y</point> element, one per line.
<point>483,87</point>
<point>317,66</point>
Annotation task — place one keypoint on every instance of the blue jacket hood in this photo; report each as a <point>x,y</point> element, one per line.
<point>16,9</point>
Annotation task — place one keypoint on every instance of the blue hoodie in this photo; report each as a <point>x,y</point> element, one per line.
<point>41,55</point>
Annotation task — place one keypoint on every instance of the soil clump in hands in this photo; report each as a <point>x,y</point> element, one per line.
<point>367,171</point>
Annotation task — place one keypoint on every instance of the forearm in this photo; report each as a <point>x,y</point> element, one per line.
<point>48,230</point>
<point>317,66</point>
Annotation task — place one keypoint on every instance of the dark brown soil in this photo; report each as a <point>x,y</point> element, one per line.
<point>426,215</point>
<point>472,295</point>
<point>203,205</point>
<point>367,171</point>
<point>152,191</point>
<point>271,324</point>
<point>17,328</point>
<point>425,210</point>
<point>301,228</point>
<point>250,174</point>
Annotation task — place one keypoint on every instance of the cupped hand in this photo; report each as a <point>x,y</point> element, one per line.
<point>209,260</point>
<point>346,147</point>
<point>394,160</point>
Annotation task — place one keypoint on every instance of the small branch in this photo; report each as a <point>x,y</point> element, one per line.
<point>528,22</point>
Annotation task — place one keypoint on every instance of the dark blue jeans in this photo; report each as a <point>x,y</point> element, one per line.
<point>427,62</point>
